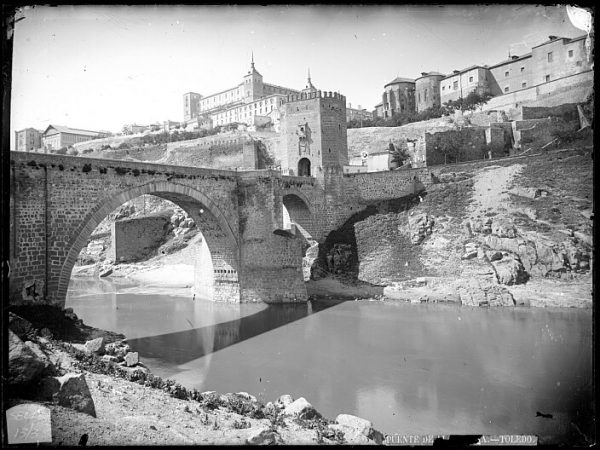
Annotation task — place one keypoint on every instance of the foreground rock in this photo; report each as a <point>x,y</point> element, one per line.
<point>356,431</point>
<point>26,361</point>
<point>74,393</point>
<point>113,404</point>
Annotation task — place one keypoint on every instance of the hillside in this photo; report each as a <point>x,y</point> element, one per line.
<point>504,233</point>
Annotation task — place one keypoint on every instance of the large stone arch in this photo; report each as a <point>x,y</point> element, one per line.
<point>218,232</point>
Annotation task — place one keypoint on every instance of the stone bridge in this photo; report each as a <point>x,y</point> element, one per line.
<point>57,201</point>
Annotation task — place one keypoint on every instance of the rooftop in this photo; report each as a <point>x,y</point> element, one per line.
<point>400,80</point>
<point>511,59</point>
<point>430,74</point>
<point>64,129</point>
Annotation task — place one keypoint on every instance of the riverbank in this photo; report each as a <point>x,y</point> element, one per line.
<point>122,403</point>
<point>171,273</point>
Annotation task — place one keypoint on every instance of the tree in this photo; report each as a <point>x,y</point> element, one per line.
<point>450,147</point>
<point>399,155</point>
<point>471,102</point>
<point>476,100</point>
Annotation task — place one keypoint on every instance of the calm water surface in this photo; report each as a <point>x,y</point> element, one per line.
<point>415,369</point>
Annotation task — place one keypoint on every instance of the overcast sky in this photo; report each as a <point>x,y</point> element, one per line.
<point>100,67</point>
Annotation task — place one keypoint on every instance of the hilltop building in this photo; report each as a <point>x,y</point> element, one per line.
<point>427,88</point>
<point>357,113</point>
<point>28,140</point>
<point>552,60</point>
<point>252,102</point>
<point>398,97</point>
<point>252,97</point>
<point>57,136</point>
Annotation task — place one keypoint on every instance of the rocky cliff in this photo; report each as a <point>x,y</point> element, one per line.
<point>510,232</point>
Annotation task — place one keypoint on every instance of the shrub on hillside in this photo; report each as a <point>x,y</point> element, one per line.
<point>565,135</point>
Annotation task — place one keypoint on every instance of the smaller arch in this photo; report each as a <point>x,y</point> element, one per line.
<point>304,167</point>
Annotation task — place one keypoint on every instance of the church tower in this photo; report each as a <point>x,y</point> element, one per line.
<point>309,86</point>
<point>253,84</point>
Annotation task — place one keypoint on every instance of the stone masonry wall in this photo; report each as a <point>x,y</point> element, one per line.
<point>135,239</point>
<point>80,192</point>
<point>471,145</point>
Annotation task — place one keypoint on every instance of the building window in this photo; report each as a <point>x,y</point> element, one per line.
<point>443,88</point>
<point>455,85</point>
<point>470,79</point>
<point>522,69</point>
<point>506,73</point>
<point>549,56</point>
<point>547,78</point>
<point>506,89</point>
<point>570,53</point>
<point>524,84</point>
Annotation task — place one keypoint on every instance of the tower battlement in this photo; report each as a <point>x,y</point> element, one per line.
<point>311,95</point>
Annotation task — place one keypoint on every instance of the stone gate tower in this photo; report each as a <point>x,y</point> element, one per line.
<point>313,134</point>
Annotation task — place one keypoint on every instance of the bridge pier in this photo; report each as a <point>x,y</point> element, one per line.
<point>270,263</point>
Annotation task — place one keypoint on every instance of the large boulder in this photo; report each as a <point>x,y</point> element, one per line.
<point>26,361</point>
<point>131,359</point>
<point>95,345</point>
<point>263,436</point>
<point>74,393</point>
<point>509,270</point>
<point>356,431</point>
<point>301,409</point>
<point>19,326</point>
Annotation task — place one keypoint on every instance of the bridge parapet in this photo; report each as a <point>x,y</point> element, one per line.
<point>369,187</point>
<point>119,166</point>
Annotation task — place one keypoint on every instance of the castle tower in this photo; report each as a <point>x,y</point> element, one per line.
<point>253,84</point>
<point>314,135</point>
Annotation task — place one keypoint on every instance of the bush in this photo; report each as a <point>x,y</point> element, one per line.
<point>123,145</point>
<point>61,151</point>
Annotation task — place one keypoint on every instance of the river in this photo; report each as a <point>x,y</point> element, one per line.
<point>409,368</point>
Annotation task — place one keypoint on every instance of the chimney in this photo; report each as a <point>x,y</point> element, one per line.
<point>551,37</point>
<point>515,57</point>
<point>423,74</point>
<point>456,71</point>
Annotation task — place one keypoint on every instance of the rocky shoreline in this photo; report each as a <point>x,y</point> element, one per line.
<point>99,393</point>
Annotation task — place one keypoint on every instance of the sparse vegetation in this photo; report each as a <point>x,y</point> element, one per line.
<point>399,154</point>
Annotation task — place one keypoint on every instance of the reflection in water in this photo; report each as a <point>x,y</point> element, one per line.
<point>408,368</point>
<point>184,346</point>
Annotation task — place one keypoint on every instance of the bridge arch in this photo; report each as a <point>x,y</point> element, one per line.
<point>217,230</point>
<point>299,210</point>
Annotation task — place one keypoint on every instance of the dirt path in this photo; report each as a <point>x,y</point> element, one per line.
<point>490,188</point>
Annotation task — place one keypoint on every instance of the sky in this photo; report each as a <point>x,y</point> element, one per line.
<point>101,67</point>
